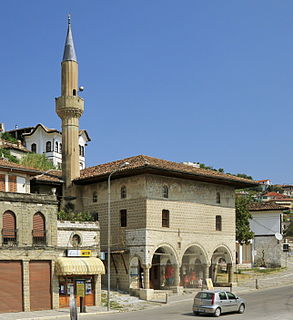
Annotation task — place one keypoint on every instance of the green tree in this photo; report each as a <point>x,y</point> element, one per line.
<point>4,153</point>
<point>8,137</point>
<point>243,232</point>
<point>38,161</point>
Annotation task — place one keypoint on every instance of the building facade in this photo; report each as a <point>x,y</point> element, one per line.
<point>171,224</point>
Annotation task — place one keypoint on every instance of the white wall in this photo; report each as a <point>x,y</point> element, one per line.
<point>266,223</point>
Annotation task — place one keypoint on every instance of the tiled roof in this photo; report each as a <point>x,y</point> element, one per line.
<point>53,176</point>
<point>142,164</point>
<point>9,145</point>
<point>5,164</point>
<point>262,206</point>
<point>274,194</point>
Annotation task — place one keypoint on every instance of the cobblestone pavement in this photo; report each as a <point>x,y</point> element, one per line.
<point>124,302</point>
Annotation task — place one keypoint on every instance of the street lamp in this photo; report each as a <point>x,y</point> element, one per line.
<point>122,165</point>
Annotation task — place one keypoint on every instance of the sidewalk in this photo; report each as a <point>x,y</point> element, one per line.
<point>129,303</point>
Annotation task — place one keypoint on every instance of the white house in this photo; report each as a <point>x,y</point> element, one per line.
<point>43,140</point>
<point>267,225</point>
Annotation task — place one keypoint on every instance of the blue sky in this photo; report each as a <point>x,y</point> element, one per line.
<point>204,81</point>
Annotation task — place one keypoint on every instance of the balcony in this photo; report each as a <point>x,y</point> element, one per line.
<point>9,237</point>
<point>39,237</point>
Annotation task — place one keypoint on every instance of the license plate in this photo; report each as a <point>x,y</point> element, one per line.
<point>201,310</point>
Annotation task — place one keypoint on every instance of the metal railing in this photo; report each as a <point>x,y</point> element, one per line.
<point>39,237</point>
<point>9,237</point>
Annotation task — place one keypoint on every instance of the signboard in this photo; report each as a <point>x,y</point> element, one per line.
<point>79,253</point>
<point>209,283</point>
<point>80,288</point>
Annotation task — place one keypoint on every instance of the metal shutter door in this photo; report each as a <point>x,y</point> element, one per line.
<point>40,285</point>
<point>11,299</point>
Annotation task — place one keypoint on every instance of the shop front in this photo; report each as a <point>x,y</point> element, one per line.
<point>81,277</point>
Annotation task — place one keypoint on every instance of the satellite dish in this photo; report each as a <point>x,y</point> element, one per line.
<point>278,236</point>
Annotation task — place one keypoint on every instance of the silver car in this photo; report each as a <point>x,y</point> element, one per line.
<point>216,302</point>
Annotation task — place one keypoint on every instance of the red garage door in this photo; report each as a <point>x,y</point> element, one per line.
<point>40,285</point>
<point>11,299</point>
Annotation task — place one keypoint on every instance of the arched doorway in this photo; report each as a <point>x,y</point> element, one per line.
<point>221,271</point>
<point>164,269</point>
<point>193,267</point>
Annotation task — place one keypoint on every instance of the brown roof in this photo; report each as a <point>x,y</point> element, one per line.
<point>10,145</point>
<point>5,164</point>
<point>145,164</point>
<point>50,176</point>
<point>263,206</point>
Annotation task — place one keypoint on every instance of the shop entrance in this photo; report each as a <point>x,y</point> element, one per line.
<point>73,284</point>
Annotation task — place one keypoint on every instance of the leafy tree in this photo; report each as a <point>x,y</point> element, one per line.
<point>4,153</point>
<point>38,161</point>
<point>8,137</point>
<point>243,175</point>
<point>75,216</point>
<point>243,232</point>
<point>275,188</point>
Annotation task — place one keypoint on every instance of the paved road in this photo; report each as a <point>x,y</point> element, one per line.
<point>272,304</point>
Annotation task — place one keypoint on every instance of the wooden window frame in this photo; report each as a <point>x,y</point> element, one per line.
<point>165,218</point>
<point>165,192</point>
<point>123,218</point>
<point>218,223</point>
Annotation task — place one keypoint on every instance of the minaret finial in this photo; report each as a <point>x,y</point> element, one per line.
<point>69,51</point>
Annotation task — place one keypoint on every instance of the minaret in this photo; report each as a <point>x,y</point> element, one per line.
<point>69,107</point>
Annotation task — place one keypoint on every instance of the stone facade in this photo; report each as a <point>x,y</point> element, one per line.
<point>190,235</point>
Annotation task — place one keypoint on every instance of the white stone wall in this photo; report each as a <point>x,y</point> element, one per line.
<point>89,233</point>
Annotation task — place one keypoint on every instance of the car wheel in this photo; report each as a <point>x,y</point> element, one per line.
<point>195,313</point>
<point>241,308</point>
<point>217,312</point>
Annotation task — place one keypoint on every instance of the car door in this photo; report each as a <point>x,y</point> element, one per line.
<point>223,301</point>
<point>233,305</point>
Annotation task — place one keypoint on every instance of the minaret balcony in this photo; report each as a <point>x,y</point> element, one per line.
<point>69,106</point>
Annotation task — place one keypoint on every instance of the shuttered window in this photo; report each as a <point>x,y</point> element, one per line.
<point>39,230</point>
<point>2,182</point>
<point>9,228</point>
<point>12,183</point>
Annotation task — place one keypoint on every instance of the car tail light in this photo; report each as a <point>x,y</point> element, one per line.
<point>213,299</point>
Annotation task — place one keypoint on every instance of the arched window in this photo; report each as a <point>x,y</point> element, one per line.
<point>82,151</point>
<point>56,146</point>
<point>60,147</point>
<point>165,192</point>
<point>39,229</point>
<point>95,196</point>
<point>218,197</point>
<point>48,146</point>
<point>75,240</point>
<point>9,228</point>
<point>74,92</point>
<point>34,147</point>
<point>123,192</point>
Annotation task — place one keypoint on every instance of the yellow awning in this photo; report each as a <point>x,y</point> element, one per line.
<point>71,266</point>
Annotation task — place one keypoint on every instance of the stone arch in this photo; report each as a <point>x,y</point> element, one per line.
<point>164,267</point>
<point>193,265</point>
<point>221,270</point>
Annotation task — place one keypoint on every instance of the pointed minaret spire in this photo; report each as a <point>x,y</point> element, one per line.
<point>69,51</point>
<point>69,107</point>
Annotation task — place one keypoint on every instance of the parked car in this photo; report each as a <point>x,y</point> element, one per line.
<point>217,302</point>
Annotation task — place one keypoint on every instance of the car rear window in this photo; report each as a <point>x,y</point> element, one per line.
<point>205,295</point>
